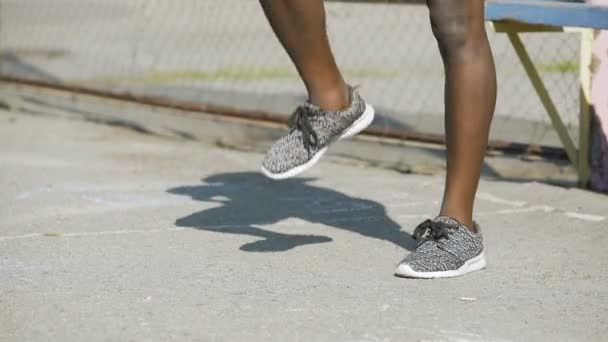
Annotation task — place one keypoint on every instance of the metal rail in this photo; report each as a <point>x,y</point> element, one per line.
<point>268,117</point>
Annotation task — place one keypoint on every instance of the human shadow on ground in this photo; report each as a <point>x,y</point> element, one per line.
<point>248,199</point>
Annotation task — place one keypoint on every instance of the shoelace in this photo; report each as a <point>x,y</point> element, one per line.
<point>430,229</point>
<point>300,120</point>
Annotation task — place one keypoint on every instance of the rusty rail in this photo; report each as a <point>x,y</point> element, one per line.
<point>262,116</point>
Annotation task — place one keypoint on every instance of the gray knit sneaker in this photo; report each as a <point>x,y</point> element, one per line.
<point>311,132</point>
<point>447,249</point>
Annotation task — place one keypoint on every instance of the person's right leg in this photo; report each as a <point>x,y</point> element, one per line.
<point>334,111</point>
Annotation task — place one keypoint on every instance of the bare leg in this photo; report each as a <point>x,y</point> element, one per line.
<point>300,26</point>
<point>470,88</point>
<point>470,97</point>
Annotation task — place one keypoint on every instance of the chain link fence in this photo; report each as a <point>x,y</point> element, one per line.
<point>224,53</point>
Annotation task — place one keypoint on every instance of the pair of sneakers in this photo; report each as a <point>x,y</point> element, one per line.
<point>446,248</point>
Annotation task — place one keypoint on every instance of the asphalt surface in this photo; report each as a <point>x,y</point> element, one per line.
<point>108,234</point>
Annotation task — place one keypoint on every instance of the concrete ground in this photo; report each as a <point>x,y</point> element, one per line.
<point>111,235</point>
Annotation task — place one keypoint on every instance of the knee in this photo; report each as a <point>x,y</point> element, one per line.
<point>453,28</point>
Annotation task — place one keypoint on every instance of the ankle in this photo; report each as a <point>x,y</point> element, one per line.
<point>331,98</point>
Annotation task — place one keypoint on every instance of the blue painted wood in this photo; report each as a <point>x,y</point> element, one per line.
<point>548,12</point>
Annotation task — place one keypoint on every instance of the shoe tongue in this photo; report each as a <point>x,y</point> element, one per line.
<point>312,106</point>
<point>447,220</point>
<point>313,109</point>
<point>453,223</point>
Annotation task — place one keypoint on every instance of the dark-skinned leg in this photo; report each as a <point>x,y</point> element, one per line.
<point>300,27</point>
<point>335,111</point>
<point>470,96</point>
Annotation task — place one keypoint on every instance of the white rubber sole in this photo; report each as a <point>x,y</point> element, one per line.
<point>360,124</point>
<point>475,264</point>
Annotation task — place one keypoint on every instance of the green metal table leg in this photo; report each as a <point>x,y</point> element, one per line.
<point>585,109</point>
<point>544,96</point>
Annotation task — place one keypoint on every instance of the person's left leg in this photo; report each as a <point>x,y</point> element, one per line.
<point>470,96</point>
<point>452,244</point>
